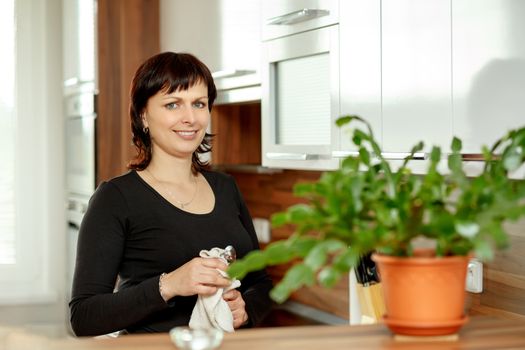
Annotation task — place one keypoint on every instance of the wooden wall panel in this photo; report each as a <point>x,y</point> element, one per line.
<point>127,34</point>
<point>504,280</point>
<point>266,194</point>
<point>504,277</point>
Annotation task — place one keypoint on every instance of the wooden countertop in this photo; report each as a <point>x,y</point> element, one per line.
<point>479,333</point>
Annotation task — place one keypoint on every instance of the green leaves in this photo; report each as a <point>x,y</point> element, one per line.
<point>278,253</point>
<point>253,261</point>
<point>513,159</point>
<point>467,229</point>
<point>318,255</point>
<point>299,213</point>
<point>346,119</point>
<point>365,205</point>
<point>298,276</point>
<point>328,277</point>
<point>456,145</point>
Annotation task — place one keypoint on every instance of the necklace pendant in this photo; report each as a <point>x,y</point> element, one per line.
<point>171,195</point>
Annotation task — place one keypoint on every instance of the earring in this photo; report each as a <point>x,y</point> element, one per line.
<point>145,130</point>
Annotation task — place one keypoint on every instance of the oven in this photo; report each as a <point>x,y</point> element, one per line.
<point>76,208</point>
<point>80,165</point>
<point>80,143</point>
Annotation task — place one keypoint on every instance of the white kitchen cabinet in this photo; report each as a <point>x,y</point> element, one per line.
<point>224,34</point>
<point>431,70</point>
<point>488,61</point>
<point>78,42</point>
<point>396,72</point>
<point>416,74</point>
<point>300,83</point>
<point>360,68</point>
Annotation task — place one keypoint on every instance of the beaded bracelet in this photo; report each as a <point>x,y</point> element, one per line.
<point>162,275</point>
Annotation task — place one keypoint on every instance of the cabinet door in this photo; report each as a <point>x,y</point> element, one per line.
<point>360,68</point>
<point>300,99</point>
<point>488,58</point>
<point>224,34</point>
<point>78,41</point>
<point>416,74</point>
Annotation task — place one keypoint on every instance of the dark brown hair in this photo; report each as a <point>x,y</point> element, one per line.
<point>169,72</point>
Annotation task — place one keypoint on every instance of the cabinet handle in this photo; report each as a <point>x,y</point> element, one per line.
<point>344,154</point>
<point>472,157</point>
<point>74,225</point>
<point>76,82</point>
<point>291,156</point>
<point>386,155</point>
<point>230,73</point>
<point>297,17</point>
<point>403,155</point>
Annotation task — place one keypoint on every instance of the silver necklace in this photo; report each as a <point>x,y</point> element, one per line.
<point>172,196</point>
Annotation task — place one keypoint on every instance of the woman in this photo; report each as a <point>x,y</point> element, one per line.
<point>148,226</point>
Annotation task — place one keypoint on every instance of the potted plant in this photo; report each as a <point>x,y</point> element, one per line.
<point>367,206</point>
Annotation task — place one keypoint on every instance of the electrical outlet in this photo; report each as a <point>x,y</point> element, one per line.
<point>262,229</point>
<point>474,276</point>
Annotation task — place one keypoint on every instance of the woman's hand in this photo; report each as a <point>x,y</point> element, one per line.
<point>237,306</point>
<point>197,276</point>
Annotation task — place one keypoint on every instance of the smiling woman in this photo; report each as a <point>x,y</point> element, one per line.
<point>150,226</point>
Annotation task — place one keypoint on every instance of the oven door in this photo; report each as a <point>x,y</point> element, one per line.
<point>300,99</point>
<point>80,144</point>
<point>76,208</point>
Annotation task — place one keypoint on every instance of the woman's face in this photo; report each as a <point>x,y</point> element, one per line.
<point>177,121</point>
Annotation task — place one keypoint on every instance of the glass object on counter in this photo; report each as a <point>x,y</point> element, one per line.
<point>196,339</point>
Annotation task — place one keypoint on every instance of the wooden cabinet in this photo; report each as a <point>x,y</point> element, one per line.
<point>237,130</point>
<point>128,34</point>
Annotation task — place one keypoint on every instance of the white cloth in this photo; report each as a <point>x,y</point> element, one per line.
<point>212,310</point>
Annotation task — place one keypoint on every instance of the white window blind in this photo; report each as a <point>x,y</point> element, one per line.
<point>303,101</point>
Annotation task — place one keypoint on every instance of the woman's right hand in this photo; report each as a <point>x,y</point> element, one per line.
<point>197,276</point>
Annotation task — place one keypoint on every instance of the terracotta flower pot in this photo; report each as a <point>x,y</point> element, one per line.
<point>424,294</point>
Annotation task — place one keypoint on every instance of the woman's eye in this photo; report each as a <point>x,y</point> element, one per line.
<point>171,105</point>
<point>200,104</point>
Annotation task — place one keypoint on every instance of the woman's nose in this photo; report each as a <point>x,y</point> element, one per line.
<point>188,116</point>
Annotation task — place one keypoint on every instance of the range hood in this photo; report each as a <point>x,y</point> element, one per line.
<point>237,86</point>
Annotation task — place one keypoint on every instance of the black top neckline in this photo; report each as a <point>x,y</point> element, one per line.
<point>208,179</point>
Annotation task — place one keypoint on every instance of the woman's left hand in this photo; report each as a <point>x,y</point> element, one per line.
<point>237,306</point>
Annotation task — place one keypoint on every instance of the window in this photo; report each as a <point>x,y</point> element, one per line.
<point>30,151</point>
<point>7,142</point>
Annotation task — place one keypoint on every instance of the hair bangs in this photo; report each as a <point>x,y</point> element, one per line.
<point>183,74</point>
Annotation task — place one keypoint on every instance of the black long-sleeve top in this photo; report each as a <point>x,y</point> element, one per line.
<point>132,232</point>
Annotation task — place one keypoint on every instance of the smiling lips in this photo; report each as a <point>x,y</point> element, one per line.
<point>186,134</point>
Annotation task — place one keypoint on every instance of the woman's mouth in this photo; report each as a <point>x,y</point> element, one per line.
<point>186,134</point>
